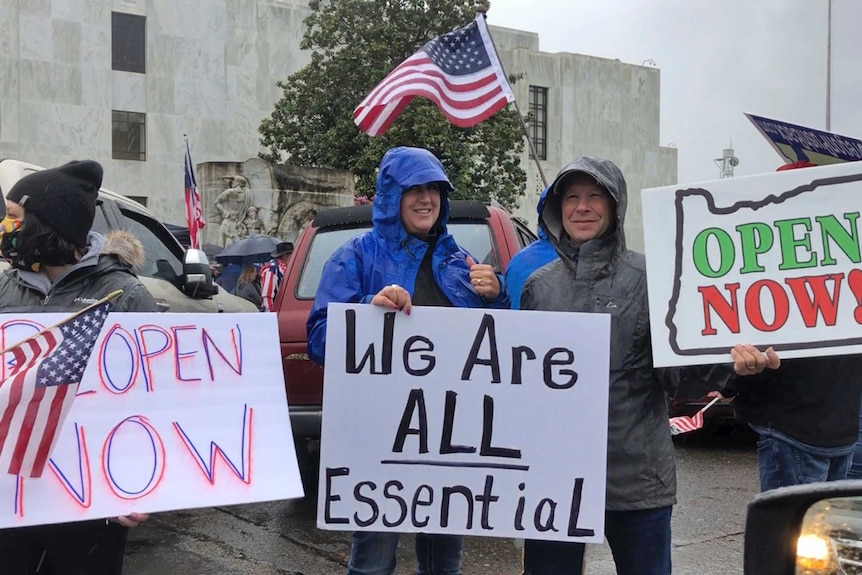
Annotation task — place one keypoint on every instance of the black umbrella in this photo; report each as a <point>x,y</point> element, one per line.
<point>248,250</point>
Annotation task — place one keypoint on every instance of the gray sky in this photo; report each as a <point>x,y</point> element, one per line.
<point>718,59</point>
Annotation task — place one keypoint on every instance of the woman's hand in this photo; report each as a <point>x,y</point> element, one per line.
<point>393,297</point>
<point>748,360</point>
<point>484,279</point>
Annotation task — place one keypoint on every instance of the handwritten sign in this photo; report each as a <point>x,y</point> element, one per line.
<point>175,411</point>
<point>769,260</point>
<point>465,421</point>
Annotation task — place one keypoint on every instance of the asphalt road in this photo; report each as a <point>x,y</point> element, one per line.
<point>717,476</point>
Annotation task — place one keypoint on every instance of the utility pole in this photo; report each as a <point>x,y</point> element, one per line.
<point>829,68</point>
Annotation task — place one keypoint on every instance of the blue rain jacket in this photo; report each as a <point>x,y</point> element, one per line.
<point>387,254</point>
<point>529,259</point>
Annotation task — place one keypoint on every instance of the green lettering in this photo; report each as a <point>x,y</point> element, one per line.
<point>755,239</point>
<point>725,250</point>
<point>847,241</point>
<point>790,244</point>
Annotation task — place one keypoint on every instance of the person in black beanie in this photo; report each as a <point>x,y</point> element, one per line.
<point>59,265</point>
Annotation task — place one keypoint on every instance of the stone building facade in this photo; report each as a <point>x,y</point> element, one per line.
<point>123,81</point>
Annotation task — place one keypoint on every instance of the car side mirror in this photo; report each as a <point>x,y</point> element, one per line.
<point>197,281</point>
<point>805,529</point>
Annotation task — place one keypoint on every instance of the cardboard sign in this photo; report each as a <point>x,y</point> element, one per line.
<point>465,421</point>
<point>175,411</point>
<point>799,144</point>
<point>768,260</point>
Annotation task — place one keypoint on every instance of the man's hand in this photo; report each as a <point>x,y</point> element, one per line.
<point>483,278</point>
<point>131,520</point>
<point>393,297</point>
<point>748,360</point>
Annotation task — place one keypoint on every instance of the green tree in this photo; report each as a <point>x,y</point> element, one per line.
<point>355,44</point>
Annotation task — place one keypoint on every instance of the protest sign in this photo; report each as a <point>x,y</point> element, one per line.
<point>465,421</point>
<point>800,144</point>
<point>174,411</point>
<point>768,260</point>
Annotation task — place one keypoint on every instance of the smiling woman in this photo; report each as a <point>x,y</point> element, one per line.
<point>420,208</point>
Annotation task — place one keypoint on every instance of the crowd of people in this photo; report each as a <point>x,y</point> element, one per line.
<point>581,263</point>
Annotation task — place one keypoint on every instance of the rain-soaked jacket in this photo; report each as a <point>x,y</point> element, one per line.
<point>387,254</point>
<point>602,276</point>
<point>106,267</point>
<point>529,259</point>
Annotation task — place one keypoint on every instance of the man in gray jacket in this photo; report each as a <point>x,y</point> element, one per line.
<point>583,217</point>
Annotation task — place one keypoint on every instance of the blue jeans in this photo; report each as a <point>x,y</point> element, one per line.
<point>855,471</point>
<point>639,541</point>
<point>783,461</point>
<point>374,554</point>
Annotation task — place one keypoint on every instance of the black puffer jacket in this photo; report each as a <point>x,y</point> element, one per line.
<point>602,276</point>
<point>106,267</point>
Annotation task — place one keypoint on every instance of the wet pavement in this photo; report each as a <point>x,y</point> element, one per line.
<point>716,475</point>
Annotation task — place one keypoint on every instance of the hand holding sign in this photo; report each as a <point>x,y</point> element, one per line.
<point>748,360</point>
<point>393,297</point>
<point>484,279</point>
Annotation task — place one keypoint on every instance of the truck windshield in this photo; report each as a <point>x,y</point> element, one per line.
<point>475,237</point>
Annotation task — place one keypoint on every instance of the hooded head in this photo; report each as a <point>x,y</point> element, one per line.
<point>603,173</point>
<point>401,169</point>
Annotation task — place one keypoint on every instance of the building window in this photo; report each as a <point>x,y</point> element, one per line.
<point>140,199</point>
<point>539,120</point>
<point>129,133</point>
<point>128,42</point>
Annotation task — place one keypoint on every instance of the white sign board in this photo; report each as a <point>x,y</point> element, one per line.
<point>772,260</point>
<point>175,411</point>
<point>465,421</point>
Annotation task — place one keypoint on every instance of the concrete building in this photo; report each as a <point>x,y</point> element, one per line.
<point>122,81</point>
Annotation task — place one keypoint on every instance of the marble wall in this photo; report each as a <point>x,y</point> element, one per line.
<point>211,73</point>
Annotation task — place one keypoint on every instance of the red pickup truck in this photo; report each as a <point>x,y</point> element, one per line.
<point>488,232</point>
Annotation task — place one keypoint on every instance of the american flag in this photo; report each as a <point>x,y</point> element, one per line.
<point>39,389</point>
<point>684,423</point>
<point>458,71</point>
<point>194,214</point>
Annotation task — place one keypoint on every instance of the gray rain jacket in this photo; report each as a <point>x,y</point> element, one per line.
<point>602,276</point>
<point>107,266</point>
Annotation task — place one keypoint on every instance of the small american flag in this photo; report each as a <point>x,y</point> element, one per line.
<point>684,423</point>
<point>38,391</point>
<point>458,71</point>
<point>194,214</point>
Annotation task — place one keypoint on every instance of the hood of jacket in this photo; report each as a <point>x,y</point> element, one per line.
<point>539,207</point>
<point>400,169</point>
<point>608,176</point>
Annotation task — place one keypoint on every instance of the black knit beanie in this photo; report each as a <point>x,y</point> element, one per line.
<point>63,198</point>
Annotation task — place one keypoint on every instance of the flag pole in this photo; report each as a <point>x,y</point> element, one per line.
<point>482,10</point>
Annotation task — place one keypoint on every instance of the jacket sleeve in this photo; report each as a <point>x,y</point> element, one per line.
<point>340,282</point>
<point>502,299</point>
<point>136,297</point>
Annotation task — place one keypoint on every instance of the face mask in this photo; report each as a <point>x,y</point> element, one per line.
<point>10,238</point>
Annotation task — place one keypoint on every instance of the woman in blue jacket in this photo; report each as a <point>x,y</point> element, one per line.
<point>407,258</point>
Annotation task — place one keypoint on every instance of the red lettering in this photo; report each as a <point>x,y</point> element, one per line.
<point>780,303</point>
<point>726,310</point>
<point>819,301</point>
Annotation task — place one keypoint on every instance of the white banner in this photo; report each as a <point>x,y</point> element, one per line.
<point>465,421</point>
<point>772,260</point>
<point>175,411</point>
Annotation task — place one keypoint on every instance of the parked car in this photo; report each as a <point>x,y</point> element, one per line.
<point>179,280</point>
<point>489,232</point>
